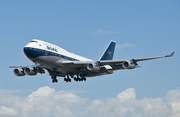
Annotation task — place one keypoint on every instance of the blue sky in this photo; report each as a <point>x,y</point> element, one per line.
<point>140,29</point>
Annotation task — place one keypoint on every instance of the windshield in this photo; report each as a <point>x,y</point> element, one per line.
<point>34,41</point>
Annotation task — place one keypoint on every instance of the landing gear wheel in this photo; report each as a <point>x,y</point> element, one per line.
<point>54,81</point>
<point>69,80</point>
<point>65,79</point>
<point>76,79</point>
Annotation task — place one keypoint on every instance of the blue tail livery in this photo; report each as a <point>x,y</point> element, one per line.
<point>109,52</point>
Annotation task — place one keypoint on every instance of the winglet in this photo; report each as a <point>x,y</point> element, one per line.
<point>170,54</point>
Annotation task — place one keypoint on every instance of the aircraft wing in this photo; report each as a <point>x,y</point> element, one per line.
<point>13,66</point>
<point>150,58</point>
<point>112,62</point>
<point>106,62</point>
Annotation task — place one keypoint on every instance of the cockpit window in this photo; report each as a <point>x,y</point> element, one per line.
<point>34,41</point>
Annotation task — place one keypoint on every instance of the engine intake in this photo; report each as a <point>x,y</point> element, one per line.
<point>130,64</point>
<point>30,71</point>
<point>19,72</point>
<point>93,67</point>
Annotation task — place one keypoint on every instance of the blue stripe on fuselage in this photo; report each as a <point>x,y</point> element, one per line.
<point>35,52</point>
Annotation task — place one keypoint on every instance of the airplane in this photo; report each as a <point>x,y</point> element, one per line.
<point>61,63</point>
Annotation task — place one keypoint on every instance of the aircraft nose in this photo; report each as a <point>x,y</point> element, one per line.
<point>29,52</point>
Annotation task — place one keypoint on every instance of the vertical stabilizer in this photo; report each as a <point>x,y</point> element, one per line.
<point>109,52</point>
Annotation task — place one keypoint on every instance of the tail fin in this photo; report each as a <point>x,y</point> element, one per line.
<point>109,52</point>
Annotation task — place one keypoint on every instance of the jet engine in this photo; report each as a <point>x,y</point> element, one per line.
<point>30,71</point>
<point>93,67</point>
<point>130,64</point>
<point>19,72</point>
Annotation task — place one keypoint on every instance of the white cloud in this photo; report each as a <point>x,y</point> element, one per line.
<point>47,102</point>
<point>173,98</point>
<point>62,112</point>
<point>43,102</point>
<point>128,94</point>
<point>7,111</point>
<point>126,45</point>
<point>99,32</point>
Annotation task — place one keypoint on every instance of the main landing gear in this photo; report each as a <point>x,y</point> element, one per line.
<point>68,79</point>
<point>78,78</point>
<point>83,78</point>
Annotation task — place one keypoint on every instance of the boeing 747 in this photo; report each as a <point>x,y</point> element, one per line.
<point>61,63</point>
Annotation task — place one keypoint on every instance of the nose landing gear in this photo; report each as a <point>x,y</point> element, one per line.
<point>54,79</point>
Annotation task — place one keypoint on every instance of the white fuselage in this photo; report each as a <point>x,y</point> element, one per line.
<point>49,55</point>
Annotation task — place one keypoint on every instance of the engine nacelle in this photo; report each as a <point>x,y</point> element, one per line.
<point>19,72</point>
<point>30,71</point>
<point>93,67</point>
<point>129,64</point>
